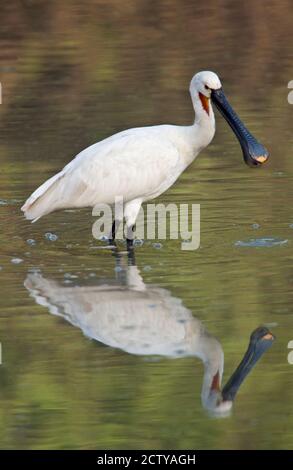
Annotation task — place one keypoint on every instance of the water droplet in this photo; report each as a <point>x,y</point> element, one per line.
<point>52,237</point>
<point>31,242</point>
<point>103,238</point>
<point>138,242</point>
<point>70,276</point>
<point>255,226</point>
<point>16,260</point>
<point>158,246</point>
<point>147,268</point>
<point>118,269</point>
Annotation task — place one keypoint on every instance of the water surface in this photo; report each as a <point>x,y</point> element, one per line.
<point>71,75</point>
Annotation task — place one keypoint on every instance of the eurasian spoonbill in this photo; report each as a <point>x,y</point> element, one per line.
<point>140,164</point>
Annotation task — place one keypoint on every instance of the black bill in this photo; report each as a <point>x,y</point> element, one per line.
<point>260,340</point>
<point>254,153</point>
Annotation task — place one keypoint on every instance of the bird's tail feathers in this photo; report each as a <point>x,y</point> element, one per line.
<point>44,199</point>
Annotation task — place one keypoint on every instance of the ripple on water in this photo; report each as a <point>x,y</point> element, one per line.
<point>8,202</point>
<point>52,237</point>
<point>261,242</point>
<point>138,242</point>
<point>31,242</point>
<point>16,260</point>
<point>158,246</point>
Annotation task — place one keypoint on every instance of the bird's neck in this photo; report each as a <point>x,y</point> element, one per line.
<point>202,131</point>
<point>204,114</point>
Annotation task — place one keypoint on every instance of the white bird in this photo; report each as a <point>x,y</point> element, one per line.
<point>140,164</point>
<point>147,320</point>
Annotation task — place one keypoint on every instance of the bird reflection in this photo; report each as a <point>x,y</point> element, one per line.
<point>145,319</point>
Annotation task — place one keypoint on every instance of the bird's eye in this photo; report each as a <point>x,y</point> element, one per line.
<point>206,87</point>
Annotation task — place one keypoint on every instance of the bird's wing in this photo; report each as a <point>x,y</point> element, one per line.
<point>130,164</point>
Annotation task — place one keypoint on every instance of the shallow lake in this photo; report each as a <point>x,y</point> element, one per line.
<point>77,368</point>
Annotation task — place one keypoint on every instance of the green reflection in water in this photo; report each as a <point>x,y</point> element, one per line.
<point>73,74</point>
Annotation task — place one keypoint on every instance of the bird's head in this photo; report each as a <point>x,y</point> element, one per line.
<point>206,87</point>
<point>204,83</point>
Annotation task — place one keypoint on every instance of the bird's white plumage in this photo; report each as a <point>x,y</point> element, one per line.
<point>135,317</point>
<point>137,164</point>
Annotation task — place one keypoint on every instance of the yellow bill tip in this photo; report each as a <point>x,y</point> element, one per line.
<point>261,158</point>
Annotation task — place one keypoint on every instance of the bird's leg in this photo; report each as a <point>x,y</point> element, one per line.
<point>132,209</point>
<point>130,237</point>
<point>114,230</point>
